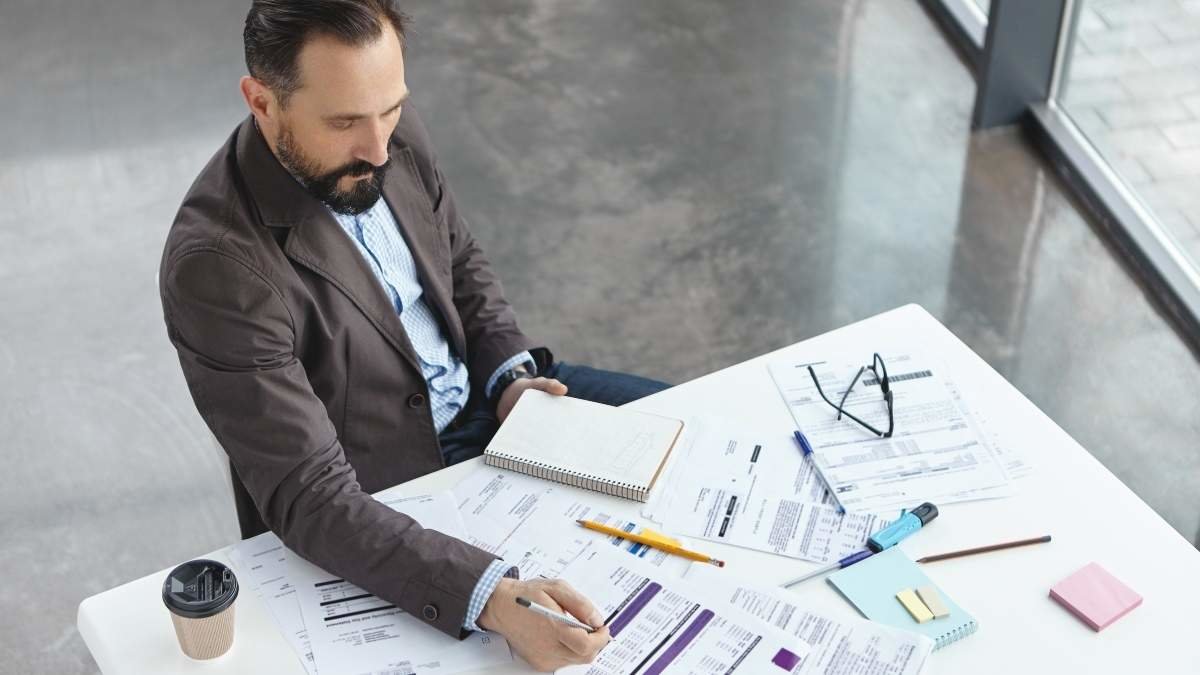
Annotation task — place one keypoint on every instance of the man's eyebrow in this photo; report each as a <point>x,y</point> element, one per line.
<point>403,98</point>
<point>350,117</point>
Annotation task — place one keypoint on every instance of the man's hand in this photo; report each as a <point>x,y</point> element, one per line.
<point>546,644</point>
<point>508,397</point>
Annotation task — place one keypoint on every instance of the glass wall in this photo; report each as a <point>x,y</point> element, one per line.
<point>1131,83</point>
<point>1113,97</point>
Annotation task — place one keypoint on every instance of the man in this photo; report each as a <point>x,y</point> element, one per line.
<point>341,331</point>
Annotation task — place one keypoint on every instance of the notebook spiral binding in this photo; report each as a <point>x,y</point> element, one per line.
<point>956,634</point>
<point>573,478</point>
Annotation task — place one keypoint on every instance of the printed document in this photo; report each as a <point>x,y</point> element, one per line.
<point>530,523</point>
<point>661,624</point>
<point>849,646</point>
<point>261,563</point>
<point>936,453</point>
<point>354,632</point>
<point>757,492</point>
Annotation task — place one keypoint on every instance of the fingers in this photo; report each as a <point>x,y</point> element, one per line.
<point>574,602</point>
<point>570,645</point>
<point>553,658</point>
<point>548,385</point>
<point>547,644</point>
<point>583,645</point>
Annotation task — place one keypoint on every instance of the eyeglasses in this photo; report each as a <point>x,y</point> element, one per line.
<point>880,370</point>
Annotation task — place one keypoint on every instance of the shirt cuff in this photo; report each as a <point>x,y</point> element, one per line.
<point>484,588</point>
<point>522,358</point>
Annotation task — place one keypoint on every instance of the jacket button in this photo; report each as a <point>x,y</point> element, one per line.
<point>430,612</point>
<point>416,400</point>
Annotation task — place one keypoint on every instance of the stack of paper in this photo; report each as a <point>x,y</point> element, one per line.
<point>261,565</point>
<point>759,492</point>
<point>937,452</point>
<point>532,524</point>
<point>756,489</point>
<point>846,646</point>
<point>663,624</point>
<point>658,620</point>
<point>336,627</point>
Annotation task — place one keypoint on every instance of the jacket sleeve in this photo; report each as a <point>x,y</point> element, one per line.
<point>234,336</point>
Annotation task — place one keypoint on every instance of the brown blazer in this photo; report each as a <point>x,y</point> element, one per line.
<point>301,368</point>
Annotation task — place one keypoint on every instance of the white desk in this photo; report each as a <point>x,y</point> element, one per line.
<point>1092,516</point>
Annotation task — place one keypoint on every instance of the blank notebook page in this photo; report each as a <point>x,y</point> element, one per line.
<point>595,442</point>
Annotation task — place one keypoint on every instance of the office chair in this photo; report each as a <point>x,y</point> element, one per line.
<point>249,521</point>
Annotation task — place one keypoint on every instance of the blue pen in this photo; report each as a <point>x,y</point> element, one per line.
<point>844,562</point>
<point>908,523</point>
<point>807,451</point>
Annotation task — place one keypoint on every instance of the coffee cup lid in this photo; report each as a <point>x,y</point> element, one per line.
<point>199,588</point>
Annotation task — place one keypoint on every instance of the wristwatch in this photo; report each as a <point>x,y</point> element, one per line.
<point>521,372</point>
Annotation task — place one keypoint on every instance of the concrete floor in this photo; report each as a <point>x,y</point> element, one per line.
<point>665,187</point>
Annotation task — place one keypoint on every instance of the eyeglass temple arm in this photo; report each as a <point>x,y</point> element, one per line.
<point>820,391</point>
<point>847,392</point>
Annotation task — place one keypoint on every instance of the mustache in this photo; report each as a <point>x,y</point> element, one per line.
<point>357,168</point>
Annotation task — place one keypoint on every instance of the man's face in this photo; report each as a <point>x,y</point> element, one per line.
<point>333,134</point>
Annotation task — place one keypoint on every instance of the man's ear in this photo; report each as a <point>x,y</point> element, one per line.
<point>260,99</point>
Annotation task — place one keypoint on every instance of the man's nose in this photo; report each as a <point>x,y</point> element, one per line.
<point>373,143</point>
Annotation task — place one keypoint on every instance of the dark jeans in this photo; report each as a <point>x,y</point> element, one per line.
<point>472,430</point>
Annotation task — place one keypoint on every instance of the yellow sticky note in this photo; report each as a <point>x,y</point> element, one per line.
<point>933,601</point>
<point>915,607</point>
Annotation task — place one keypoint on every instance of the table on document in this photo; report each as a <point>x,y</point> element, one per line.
<point>1067,493</point>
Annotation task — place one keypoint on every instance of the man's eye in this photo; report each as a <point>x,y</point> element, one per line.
<point>341,125</point>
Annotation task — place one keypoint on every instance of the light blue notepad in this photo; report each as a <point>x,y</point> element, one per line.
<point>871,586</point>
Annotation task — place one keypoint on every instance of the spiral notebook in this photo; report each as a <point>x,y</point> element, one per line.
<point>598,447</point>
<point>871,586</point>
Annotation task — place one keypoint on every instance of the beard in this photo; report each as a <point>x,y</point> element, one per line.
<point>324,185</point>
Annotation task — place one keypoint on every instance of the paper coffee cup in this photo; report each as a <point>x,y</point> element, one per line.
<point>200,595</point>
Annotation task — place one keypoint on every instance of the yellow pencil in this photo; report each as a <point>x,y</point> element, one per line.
<point>651,542</point>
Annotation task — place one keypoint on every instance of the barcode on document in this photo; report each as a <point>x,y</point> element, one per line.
<point>871,382</point>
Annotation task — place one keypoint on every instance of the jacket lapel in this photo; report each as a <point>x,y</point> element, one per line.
<point>404,193</point>
<point>315,240</point>
<point>320,245</point>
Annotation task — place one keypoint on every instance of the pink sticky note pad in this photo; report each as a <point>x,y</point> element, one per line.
<point>1095,596</point>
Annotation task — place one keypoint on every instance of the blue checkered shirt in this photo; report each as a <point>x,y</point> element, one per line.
<point>484,588</point>
<point>377,236</point>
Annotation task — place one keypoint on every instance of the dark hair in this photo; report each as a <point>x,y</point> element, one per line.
<point>276,31</point>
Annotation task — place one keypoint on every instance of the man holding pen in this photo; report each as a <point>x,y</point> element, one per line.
<point>341,330</point>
